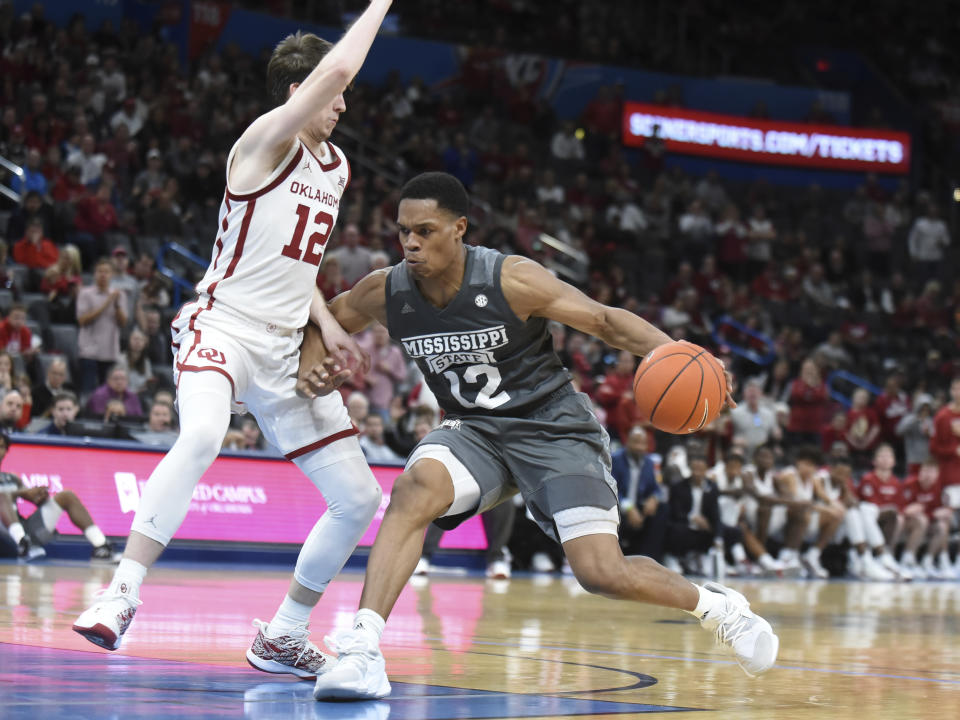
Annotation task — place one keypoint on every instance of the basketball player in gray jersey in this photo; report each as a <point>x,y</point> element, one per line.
<point>475,321</point>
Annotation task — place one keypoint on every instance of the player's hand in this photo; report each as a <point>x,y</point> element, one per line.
<point>729,378</point>
<point>634,518</point>
<point>36,495</point>
<point>342,347</point>
<point>323,378</point>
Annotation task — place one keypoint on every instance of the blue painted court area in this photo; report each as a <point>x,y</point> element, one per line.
<point>71,685</point>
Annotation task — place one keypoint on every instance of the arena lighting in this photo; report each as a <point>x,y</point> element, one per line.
<point>745,139</point>
<point>956,194</point>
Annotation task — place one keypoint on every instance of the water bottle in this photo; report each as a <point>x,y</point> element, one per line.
<point>718,563</point>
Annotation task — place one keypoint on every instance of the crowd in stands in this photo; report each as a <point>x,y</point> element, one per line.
<point>124,149</point>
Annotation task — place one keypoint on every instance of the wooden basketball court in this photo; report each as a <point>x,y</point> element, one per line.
<point>466,647</point>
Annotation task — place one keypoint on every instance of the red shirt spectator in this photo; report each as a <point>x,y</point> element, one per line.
<point>885,491</point>
<point>930,495</point>
<point>69,189</point>
<point>34,250</point>
<point>945,443</point>
<point>808,400</point>
<point>96,214</point>
<point>833,433</point>
<point>15,336</point>
<point>863,426</point>
<point>892,404</point>
<point>617,383</point>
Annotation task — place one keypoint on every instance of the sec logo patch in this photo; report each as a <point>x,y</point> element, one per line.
<point>480,300</point>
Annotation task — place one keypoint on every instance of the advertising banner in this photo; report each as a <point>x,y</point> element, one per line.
<point>239,499</point>
<point>743,139</point>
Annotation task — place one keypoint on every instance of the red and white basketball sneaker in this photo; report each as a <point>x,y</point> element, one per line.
<point>105,622</point>
<point>291,653</point>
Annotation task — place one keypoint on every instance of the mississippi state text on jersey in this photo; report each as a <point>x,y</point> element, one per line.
<point>271,239</point>
<point>476,355</point>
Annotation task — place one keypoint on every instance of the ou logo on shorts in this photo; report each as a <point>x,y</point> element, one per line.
<point>212,355</point>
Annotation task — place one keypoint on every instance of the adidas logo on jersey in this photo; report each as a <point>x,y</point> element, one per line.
<point>406,309</point>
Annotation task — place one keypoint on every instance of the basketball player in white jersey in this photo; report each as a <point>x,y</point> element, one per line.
<point>237,346</point>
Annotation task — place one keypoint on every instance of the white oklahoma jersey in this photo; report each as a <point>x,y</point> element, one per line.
<point>252,303</point>
<point>271,239</point>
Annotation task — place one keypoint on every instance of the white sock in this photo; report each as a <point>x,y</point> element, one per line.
<point>739,554</point>
<point>708,602</point>
<point>95,536</point>
<point>813,552</point>
<point>290,614</point>
<point>16,532</point>
<point>128,578</point>
<point>370,623</point>
<point>908,558</point>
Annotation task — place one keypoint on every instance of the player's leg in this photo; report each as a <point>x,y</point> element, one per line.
<point>67,501</point>
<point>431,542</point>
<point>862,563</point>
<point>601,568</point>
<point>342,475</point>
<point>497,526</point>
<point>939,535</point>
<point>824,524</point>
<point>204,399</point>
<point>421,494</point>
<point>435,483</point>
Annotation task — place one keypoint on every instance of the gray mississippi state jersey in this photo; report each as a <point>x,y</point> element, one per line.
<point>476,355</point>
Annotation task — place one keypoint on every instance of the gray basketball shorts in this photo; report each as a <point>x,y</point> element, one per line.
<point>557,457</point>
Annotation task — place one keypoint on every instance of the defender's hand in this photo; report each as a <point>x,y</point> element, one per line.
<point>323,379</point>
<point>342,347</point>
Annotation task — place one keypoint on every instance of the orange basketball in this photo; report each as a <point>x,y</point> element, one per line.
<point>680,387</point>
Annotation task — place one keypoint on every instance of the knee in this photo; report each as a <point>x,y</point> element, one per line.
<point>420,491</point>
<point>365,499</point>
<point>66,498</point>
<point>202,442</point>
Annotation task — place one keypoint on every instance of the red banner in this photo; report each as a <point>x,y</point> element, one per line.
<point>238,499</point>
<point>207,20</point>
<point>742,139</point>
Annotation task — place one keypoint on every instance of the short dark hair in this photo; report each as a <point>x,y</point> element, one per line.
<point>808,453</point>
<point>449,192</point>
<point>65,395</point>
<point>292,60</point>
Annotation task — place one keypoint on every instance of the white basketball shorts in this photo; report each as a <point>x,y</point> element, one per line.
<point>261,362</point>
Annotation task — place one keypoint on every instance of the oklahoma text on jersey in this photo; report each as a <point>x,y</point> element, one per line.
<point>441,350</point>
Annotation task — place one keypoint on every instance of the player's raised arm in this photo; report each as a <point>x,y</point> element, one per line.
<point>531,289</point>
<point>271,134</point>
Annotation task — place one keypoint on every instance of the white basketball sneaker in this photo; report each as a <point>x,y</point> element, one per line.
<point>874,570</point>
<point>811,561</point>
<point>359,673</point>
<point>747,636</point>
<point>291,653</point>
<point>105,622</point>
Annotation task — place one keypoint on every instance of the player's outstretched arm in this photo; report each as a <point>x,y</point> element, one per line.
<point>532,290</point>
<point>271,134</point>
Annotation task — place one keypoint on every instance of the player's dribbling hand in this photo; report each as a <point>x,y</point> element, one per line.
<point>731,403</point>
<point>323,378</point>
